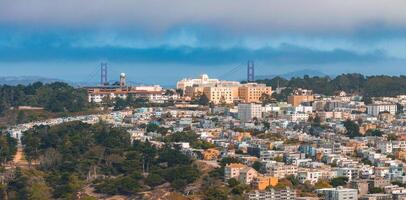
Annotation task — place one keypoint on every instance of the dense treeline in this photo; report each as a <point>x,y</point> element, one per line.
<point>54,97</point>
<point>8,148</point>
<point>65,158</point>
<point>353,83</point>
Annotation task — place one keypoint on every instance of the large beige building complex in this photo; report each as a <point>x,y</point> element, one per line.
<point>220,91</point>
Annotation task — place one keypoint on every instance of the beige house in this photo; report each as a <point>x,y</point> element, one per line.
<point>233,170</point>
<point>241,172</point>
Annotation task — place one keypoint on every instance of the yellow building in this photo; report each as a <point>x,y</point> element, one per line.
<point>221,94</point>
<point>252,92</point>
<point>262,182</point>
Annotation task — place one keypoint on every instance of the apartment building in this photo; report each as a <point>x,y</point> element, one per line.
<point>221,94</point>
<point>350,173</point>
<point>247,175</point>
<point>252,92</point>
<point>240,172</point>
<point>309,175</point>
<point>375,109</point>
<point>233,170</point>
<point>285,194</point>
<point>247,112</point>
<point>281,170</point>
<point>338,193</point>
<point>294,117</point>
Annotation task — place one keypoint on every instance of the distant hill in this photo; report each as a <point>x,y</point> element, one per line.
<point>289,75</point>
<point>25,80</point>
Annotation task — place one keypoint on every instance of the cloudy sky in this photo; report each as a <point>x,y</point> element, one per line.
<point>160,41</point>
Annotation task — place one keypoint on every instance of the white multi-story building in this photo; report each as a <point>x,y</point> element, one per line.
<point>338,193</point>
<point>349,172</point>
<point>203,80</point>
<point>247,112</point>
<point>294,117</point>
<point>309,175</point>
<point>375,109</point>
<point>285,194</point>
<point>303,109</point>
<point>282,170</point>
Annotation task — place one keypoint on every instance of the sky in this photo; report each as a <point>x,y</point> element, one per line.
<point>161,41</point>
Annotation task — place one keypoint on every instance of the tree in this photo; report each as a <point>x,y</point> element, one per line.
<point>352,128</point>
<point>239,189</point>
<point>179,91</point>
<point>399,108</point>
<point>322,184</point>
<point>169,92</point>
<point>8,148</point>
<point>367,100</point>
<point>125,185</point>
<point>50,159</point>
<point>71,153</point>
<point>152,127</point>
<point>375,132</point>
<point>339,181</point>
<point>203,100</point>
<point>266,99</point>
<point>215,193</point>
<point>369,86</point>
<point>120,104</point>
<point>376,190</point>
<point>232,182</point>
<point>257,166</point>
<point>154,180</point>
<point>392,137</point>
<point>28,184</point>
<point>283,96</point>
<point>31,143</point>
<point>316,121</point>
<point>283,183</point>
<point>228,160</point>
<point>266,125</point>
<point>20,117</point>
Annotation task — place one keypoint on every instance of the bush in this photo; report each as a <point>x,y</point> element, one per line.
<point>232,182</point>
<point>214,193</point>
<point>154,180</point>
<point>339,181</point>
